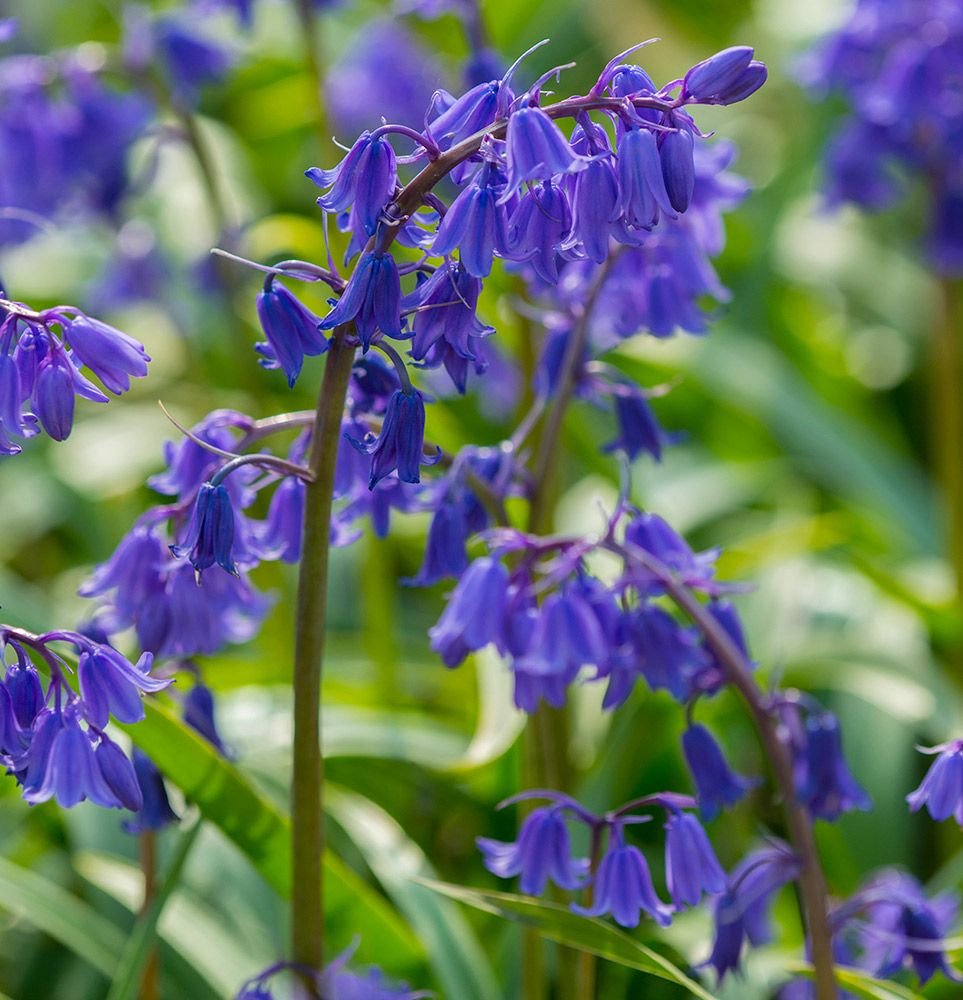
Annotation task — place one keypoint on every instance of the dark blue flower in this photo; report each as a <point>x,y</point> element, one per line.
<point>118,773</point>
<point>678,167</point>
<point>280,535</point>
<point>210,535</point>
<point>536,150</point>
<point>596,205</point>
<point>364,180</point>
<point>825,784</point>
<point>113,356</point>
<point>639,430</point>
<point>475,614</point>
<point>641,180</point>
<point>567,635</point>
<point>444,308</point>
<point>198,711</point>
<point>538,228</point>
<point>155,812</point>
<point>727,77</point>
<point>719,787</point>
<point>445,554</point>
<point>459,118</point>
<point>111,685</point>
<point>292,330</point>
<point>541,854</point>
<point>941,791</point>
<point>53,397</point>
<point>476,224</point>
<point>190,60</point>
<point>22,683</point>
<point>400,444</point>
<point>372,299</point>
<point>691,866</point>
<point>622,886</point>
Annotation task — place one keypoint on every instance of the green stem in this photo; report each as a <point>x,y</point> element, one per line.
<point>307,832</point>
<point>150,980</point>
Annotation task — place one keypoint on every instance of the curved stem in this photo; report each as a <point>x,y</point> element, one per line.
<point>307,832</point>
<point>812,882</point>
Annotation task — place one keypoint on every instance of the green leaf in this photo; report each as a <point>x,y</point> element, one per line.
<point>863,984</point>
<point>560,924</point>
<point>400,865</point>
<point>63,916</point>
<point>136,952</point>
<point>228,799</point>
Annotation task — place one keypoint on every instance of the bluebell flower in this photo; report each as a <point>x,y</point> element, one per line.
<point>538,229</point>
<point>364,180</point>
<point>210,535</point>
<point>727,77</point>
<point>53,397</point>
<point>567,635</point>
<point>715,673</point>
<point>292,330</point>
<point>118,773</point>
<point>132,571</point>
<point>22,684</point>
<point>61,763</point>
<point>280,535</point>
<point>444,307</point>
<point>641,180</point>
<point>372,299</point>
<point>622,886</point>
<point>596,205</point>
<point>373,382</point>
<point>189,464</point>
<point>475,614</point>
<point>639,430</point>
<point>668,654</point>
<point>400,444</point>
<point>691,866</point>
<point>628,80</point>
<point>941,791</point>
<point>536,150</point>
<point>198,711</point>
<point>742,912</point>
<point>824,783</point>
<point>113,356</point>
<point>678,167</point>
<point>458,118</point>
<point>111,685</point>
<point>445,554</point>
<point>719,787</point>
<point>476,224</point>
<point>12,419</point>
<point>155,812</point>
<point>541,854</point>
<point>652,534</point>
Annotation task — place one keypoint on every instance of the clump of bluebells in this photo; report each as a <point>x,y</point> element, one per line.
<point>897,66</point>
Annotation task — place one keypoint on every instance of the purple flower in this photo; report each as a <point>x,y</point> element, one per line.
<point>567,635</point>
<point>541,854</point>
<point>444,307</point>
<point>190,60</point>
<point>536,150</point>
<point>111,685</point>
<point>445,554</point>
<point>825,784</point>
<point>198,711</point>
<point>476,224</point>
<point>725,78</point>
<point>111,355</point>
<point>22,684</point>
<point>538,229</point>
<point>210,535</point>
<point>639,431</point>
<point>941,791</point>
<point>653,535</point>
<point>189,463</point>
<point>155,812</point>
<point>458,118</point>
<point>53,397</point>
<point>292,330</point>
<point>400,445</point>
<point>596,206</point>
<point>719,787</point>
<point>691,866</point>
<point>280,535</point>
<point>623,886</point>
<point>678,167</point>
<point>364,180</point>
<point>641,179</point>
<point>742,911</point>
<point>118,773</point>
<point>372,299</point>
<point>132,571</point>
<point>475,614</point>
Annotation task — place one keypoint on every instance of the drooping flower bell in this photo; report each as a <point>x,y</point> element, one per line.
<point>718,785</point>
<point>112,355</point>
<point>475,614</point>
<point>372,299</point>
<point>537,150</point>
<point>690,863</point>
<point>292,330</point>
<point>825,784</point>
<point>941,791</point>
<point>210,535</point>
<point>727,77</point>
<point>399,447</point>
<point>111,685</point>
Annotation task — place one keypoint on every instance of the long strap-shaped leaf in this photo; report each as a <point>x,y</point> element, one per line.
<point>65,917</point>
<point>231,802</point>
<point>560,924</point>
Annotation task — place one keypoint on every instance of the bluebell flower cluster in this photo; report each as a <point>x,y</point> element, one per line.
<point>897,65</point>
<point>42,358</point>
<point>619,876</point>
<point>551,619</point>
<point>53,740</point>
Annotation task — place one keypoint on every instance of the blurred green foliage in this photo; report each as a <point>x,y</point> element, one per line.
<point>806,458</point>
